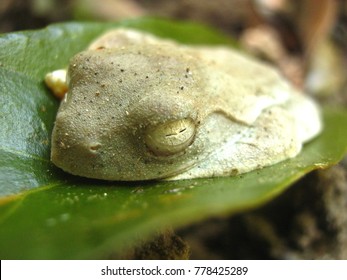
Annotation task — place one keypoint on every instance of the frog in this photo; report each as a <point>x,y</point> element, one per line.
<point>140,107</point>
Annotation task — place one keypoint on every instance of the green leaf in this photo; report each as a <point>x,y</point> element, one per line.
<point>48,214</point>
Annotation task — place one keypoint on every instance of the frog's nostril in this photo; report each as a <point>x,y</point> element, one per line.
<point>94,147</point>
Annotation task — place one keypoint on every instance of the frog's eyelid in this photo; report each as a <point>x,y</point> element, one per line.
<point>171,137</point>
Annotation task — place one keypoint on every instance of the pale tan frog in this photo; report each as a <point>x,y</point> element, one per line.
<point>139,108</point>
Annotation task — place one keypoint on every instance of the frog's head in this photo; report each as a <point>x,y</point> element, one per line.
<point>131,115</point>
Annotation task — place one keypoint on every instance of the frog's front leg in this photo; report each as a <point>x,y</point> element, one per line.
<point>56,81</point>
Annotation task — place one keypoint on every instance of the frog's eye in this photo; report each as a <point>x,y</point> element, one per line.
<point>171,137</point>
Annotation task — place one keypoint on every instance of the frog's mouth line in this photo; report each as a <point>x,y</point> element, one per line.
<point>184,168</point>
<point>169,175</point>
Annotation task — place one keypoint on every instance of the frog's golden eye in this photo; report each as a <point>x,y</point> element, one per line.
<point>171,137</point>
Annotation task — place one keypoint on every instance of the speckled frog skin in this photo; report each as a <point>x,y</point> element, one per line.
<point>140,108</point>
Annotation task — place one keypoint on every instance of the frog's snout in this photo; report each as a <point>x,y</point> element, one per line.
<point>74,149</point>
